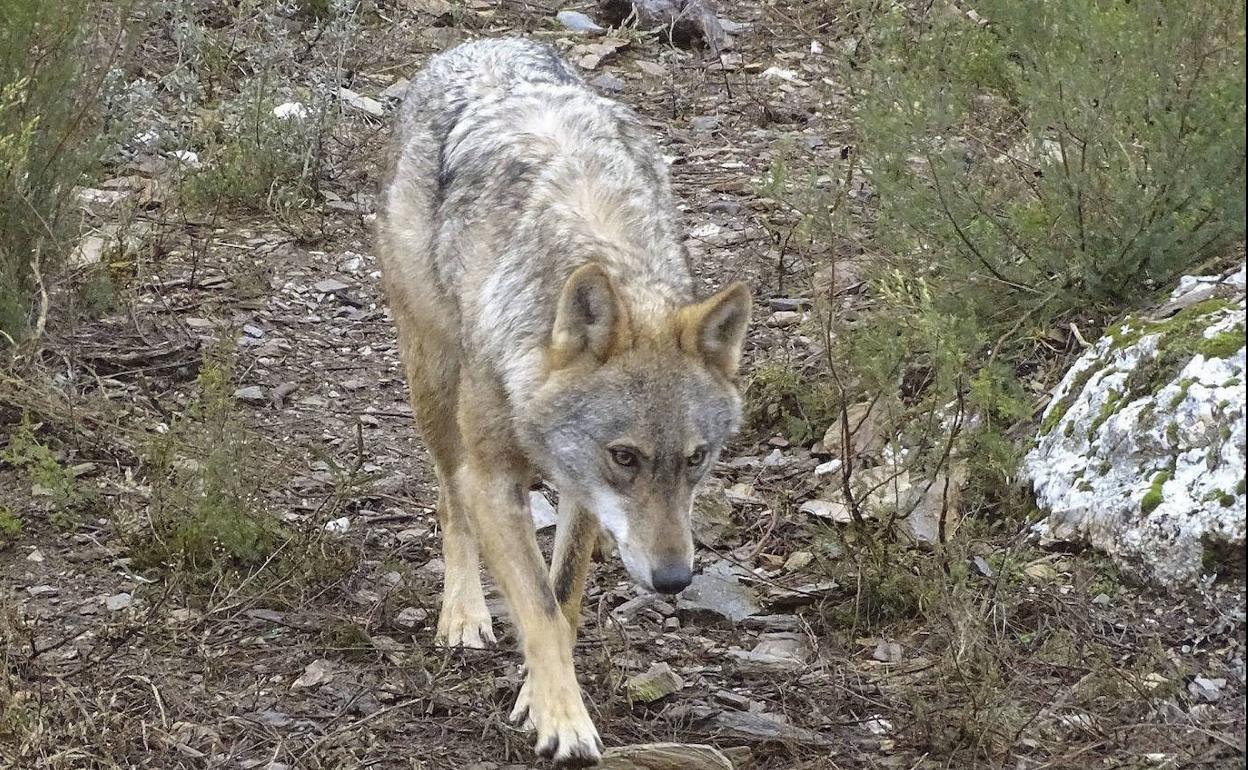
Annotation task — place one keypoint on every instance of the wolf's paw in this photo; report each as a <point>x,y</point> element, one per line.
<point>460,626</point>
<point>565,733</point>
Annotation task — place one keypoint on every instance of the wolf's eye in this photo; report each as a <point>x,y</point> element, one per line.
<point>625,458</point>
<point>697,458</point>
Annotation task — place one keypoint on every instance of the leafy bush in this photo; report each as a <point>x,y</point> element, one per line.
<point>46,130</point>
<point>1034,165</point>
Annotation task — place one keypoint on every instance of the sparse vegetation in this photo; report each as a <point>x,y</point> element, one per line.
<point>48,139</point>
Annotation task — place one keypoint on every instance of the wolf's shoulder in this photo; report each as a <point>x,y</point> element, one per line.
<point>501,63</point>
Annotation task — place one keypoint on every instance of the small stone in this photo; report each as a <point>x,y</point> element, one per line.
<point>775,459</point>
<point>330,286</point>
<point>664,756</point>
<point>35,555</point>
<point>1208,690</point>
<point>827,509</point>
<point>101,202</point>
<point>888,652</point>
<point>411,617</point>
<point>711,516</point>
<point>290,111</point>
<point>544,514</point>
<point>396,90</point>
<point>731,208</point>
<point>788,304</point>
<point>338,526</point>
<point>315,674</point>
<point>798,560</point>
<point>658,682</point>
<point>578,22</point>
<point>705,123</point>
<point>629,610</point>
<point>412,534</point>
<point>718,592</point>
<point>252,394</point>
<point>90,251</point>
<point>732,700</point>
<point>118,602</point>
<point>823,470</point>
<point>743,494</point>
<point>362,103</point>
<point>784,318</point>
<point>608,82</point>
<point>184,615</point>
<point>671,624</point>
<point>653,69</point>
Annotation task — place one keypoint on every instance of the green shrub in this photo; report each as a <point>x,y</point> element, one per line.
<point>1050,162</point>
<point>256,160</point>
<point>47,114</point>
<point>68,500</point>
<point>207,523</point>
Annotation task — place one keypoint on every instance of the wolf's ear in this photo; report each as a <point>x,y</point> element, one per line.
<point>590,317</point>
<point>715,328</point>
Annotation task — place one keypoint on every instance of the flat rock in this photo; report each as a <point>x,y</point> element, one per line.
<point>712,515</point>
<point>330,286</point>
<point>252,394</point>
<point>763,727</point>
<point>118,602</point>
<point>718,593</point>
<point>656,683</point>
<point>578,22</point>
<point>543,512</point>
<point>608,82</point>
<point>362,103</point>
<point>664,756</point>
<point>315,674</point>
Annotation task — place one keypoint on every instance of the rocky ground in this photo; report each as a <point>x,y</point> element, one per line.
<point>788,652</point>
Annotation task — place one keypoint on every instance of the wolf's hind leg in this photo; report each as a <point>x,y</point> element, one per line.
<point>431,366</point>
<point>464,620</point>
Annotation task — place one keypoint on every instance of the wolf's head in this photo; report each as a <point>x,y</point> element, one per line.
<point>634,412</point>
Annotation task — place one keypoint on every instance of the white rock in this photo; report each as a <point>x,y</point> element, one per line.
<point>315,674</point>
<point>827,509</point>
<point>362,103</point>
<point>1155,475</point>
<point>290,110</point>
<point>828,468</point>
<point>186,158</point>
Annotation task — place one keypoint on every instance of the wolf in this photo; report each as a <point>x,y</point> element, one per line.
<point>548,327</point>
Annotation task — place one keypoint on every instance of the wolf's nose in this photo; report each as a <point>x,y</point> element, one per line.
<point>671,579</point>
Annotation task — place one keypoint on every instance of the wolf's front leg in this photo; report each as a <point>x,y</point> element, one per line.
<point>497,501</point>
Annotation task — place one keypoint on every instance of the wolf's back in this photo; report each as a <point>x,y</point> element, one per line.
<point>467,75</point>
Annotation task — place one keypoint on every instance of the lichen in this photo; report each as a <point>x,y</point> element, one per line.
<point>1172,433</point>
<point>1112,403</point>
<point>1182,336</point>
<point>1185,385</point>
<point>1062,406</point>
<point>1223,344</point>
<point>1153,497</point>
